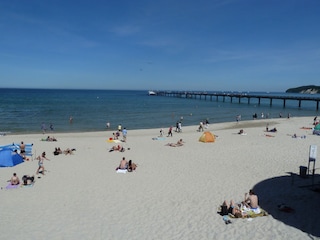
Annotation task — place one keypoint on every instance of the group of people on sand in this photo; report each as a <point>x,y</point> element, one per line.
<point>58,151</point>
<point>120,131</point>
<point>26,180</point>
<point>51,139</point>
<point>270,130</point>
<point>117,148</point>
<point>127,165</point>
<point>241,210</point>
<point>202,125</point>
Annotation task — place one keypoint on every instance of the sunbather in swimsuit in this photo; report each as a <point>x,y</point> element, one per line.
<point>251,202</point>
<point>233,209</point>
<point>123,164</point>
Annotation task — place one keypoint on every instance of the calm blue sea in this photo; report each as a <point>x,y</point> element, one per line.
<point>25,110</point>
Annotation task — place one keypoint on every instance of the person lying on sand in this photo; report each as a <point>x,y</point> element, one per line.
<point>51,139</point>
<point>69,151</point>
<point>27,180</point>
<point>231,208</point>
<point>272,130</point>
<point>242,132</point>
<point>178,144</point>
<point>306,128</point>
<point>117,148</point>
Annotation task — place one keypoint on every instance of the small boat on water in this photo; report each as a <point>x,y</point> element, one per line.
<point>151,93</point>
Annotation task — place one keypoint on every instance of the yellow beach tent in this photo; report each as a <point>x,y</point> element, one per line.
<point>207,137</point>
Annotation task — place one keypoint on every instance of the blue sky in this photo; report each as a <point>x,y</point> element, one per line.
<point>212,45</point>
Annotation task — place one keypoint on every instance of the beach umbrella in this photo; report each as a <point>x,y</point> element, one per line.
<point>8,158</point>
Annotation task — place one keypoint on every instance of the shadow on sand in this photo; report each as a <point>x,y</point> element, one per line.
<point>293,200</point>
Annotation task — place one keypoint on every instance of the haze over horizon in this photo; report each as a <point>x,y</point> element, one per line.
<point>217,45</point>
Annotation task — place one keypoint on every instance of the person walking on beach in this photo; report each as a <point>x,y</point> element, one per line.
<point>40,163</point>
<point>170,131</point>
<point>179,127</point>
<point>43,128</point>
<point>161,132</point>
<point>201,127</point>
<point>238,118</point>
<point>255,116</point>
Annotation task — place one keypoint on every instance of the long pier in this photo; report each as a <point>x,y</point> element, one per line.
<point>238,97</point>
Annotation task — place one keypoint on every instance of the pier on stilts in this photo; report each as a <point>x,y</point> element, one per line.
<point>239,97</point>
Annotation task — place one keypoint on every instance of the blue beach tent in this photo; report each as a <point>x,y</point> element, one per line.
<point>8,158</point>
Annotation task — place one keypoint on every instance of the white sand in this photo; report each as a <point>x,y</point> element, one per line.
<point>175,192</point>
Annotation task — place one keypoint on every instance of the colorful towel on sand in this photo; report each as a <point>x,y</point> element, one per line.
<point>113,141</point>
<point>252,214</point>
<point>121,170</point>
<point>28,185</point>
<point>246,212</point>
<point>158,138</point>
<point>10,186</point>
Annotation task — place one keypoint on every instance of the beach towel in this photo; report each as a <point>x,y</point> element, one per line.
<point>251,214</point>
<point>121,170</point>
<point>113,141</point>
<point>10,186</point>
<point>28,185</point>
<point>158,138</point>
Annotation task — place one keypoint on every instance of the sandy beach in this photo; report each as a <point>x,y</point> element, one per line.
<point>175,192</point>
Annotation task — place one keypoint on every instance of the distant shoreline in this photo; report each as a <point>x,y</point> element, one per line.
<point>217,126</point>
